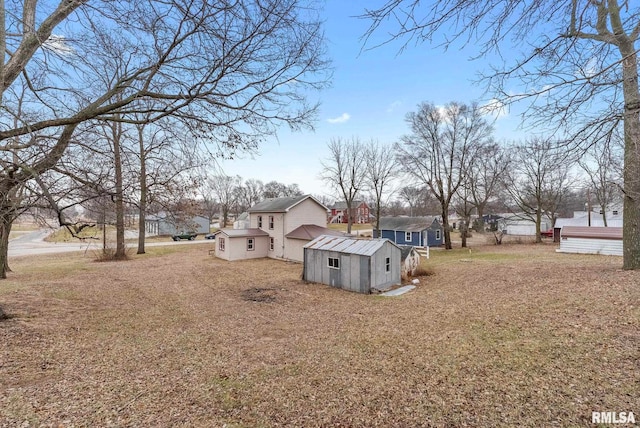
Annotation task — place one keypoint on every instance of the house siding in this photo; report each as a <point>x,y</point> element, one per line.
<point>236,248</point>
<point>305,212</point>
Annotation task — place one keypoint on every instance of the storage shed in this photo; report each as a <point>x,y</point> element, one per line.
<point>591,240</point>
<point>353,264</point>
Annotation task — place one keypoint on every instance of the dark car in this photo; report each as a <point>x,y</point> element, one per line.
<point>210,236</point>
<point>184,235</point>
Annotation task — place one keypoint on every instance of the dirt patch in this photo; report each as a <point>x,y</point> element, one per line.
<point>263,295</point>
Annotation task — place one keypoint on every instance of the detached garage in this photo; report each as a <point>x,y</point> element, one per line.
<point>358,265</point>
<point>591,240</point>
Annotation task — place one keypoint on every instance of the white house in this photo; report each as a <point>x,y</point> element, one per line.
<point>278,228</point>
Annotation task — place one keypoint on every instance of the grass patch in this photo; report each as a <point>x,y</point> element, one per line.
<point>63,235</point>
<point>177,337</point>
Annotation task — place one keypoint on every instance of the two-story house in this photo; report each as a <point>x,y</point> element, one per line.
<point>278,228</point>
<point>359,212</point>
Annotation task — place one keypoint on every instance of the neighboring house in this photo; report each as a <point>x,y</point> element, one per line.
<point>163,224</point>
<point>353,264</point>
<point>284,224</point>
<point>591,240</point>
<point>414,231</point>
<point>360,212</point>
<point>242,221</point>
<point>521,225</point>
<point>491,221</point>
<point>587,219</point>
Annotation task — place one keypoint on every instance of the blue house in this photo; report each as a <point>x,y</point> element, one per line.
<point>416,231</point>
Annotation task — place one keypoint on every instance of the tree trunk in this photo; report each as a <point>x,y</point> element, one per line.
<point>119,202</point>
<point>143,195</point>
<point>5,228</point>
<point>631,220</point>
<point>349,220</point>
<point>446,229</point>
<point>463,233</point>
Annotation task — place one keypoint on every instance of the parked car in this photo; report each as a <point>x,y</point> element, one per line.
<point>184,235</point>
<point>547,233</point>
<point>210,236</point>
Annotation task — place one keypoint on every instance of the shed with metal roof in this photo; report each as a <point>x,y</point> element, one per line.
<point>591,240</point>
<point>359,265</point>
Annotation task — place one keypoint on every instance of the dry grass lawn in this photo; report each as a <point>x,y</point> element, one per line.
<point>499,336</point>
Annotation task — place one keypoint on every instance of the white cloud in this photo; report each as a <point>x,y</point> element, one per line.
<point>58,44</point>
<point>393,106</point>
<point>340,119</point>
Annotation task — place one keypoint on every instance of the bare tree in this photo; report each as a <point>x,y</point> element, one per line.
<point>603,166</point>
<point>489,164</point>
<point>580,72</point>
<point>223,189</point>
<point>439,149</point>
<point>380,173</point>
<point>345,171</point>
<point>235,72</point>
<point>539,180</point>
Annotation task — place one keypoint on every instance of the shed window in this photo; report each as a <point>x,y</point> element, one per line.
<point>438,235</point>
<point>407,236</point>
<point>271,244</point>
<point>271,222</point>
<point>259,221</point>
<point>333,263</point>
<point>387,264</point>
<point>221,244</point>
<point>250,244</point>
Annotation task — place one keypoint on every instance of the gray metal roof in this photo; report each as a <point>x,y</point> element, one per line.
<point>340,244</point>
<point>407,224</point>
<point>280,205</point>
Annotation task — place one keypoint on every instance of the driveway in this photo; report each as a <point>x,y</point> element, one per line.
<point>33,243</point>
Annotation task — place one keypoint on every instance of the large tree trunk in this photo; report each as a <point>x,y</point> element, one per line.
<point>5,228</point>
<point>631,221</point>
<point>119,197</point>
<point>143,195</point>
<point>446,229</point>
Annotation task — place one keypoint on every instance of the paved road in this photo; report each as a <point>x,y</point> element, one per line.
<point>33,243</point>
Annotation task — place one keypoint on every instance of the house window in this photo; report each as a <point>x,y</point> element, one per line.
<point>438,235</point>
<point>271,222</point>
<point>407,236</point>
<point>259,221</point>
<point>387,264</point>
<point>250,244</point>
<point>271,244</point>
<point>615,212</point>
<point>333,263</point>
<point>221,244</point>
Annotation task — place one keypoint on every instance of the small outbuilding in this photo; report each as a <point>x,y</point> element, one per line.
<point>359,265</point>
<point>591,240</point>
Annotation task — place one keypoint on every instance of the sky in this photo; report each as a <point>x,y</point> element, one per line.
<point>370,95</point>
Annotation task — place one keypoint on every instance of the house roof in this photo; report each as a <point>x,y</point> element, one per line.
<point>342,205</point>
<point>240,233</point>
<point>342,244</point>
<point>405,251</point>
<point>281,205</point>
<point>308,232</point>
<point>408,224</point>
<point>591,232</point>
